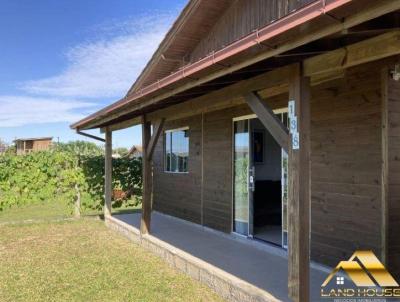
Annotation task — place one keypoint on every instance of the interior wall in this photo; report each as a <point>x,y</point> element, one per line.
<point>270,169</point>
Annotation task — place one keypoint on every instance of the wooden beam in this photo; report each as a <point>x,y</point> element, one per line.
<point>373,49</point>
<point>267,117</point>
<point>108,174</point>
<point>147,179</point>
<point>122,125</point>
<point>327,76</point>
<point>157,129</point>
<point>299,200</point>
<point>91,136</point>
<point>271,83</point>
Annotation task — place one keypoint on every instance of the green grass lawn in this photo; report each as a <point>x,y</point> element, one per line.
<point>82,260</point>
<point>48,212</point>
<point>44,211</point>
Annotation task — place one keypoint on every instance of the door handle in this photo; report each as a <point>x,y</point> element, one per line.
<point>251,179</point>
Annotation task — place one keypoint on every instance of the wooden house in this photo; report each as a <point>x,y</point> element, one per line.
<point>276,120</point>
<point>28,145</point>
<point>135,152</point>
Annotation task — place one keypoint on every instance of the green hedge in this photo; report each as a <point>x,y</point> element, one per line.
<point>126,175</point>
<point>54,176</point>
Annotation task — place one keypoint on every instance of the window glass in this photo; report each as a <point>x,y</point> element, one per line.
<point>168,151</point>
<point>177,150</point>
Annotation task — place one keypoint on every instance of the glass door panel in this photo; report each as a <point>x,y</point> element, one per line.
<point>241,176</point>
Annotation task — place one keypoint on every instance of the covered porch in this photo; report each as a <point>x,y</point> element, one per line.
<point>233,266</point>
<point>312,69</point>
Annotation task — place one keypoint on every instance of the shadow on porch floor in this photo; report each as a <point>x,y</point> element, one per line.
<point>263,266</point>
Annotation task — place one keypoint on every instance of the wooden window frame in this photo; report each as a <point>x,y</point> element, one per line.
<point>165,150</point>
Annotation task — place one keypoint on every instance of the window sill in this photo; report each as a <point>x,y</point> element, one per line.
<point>172,172</point>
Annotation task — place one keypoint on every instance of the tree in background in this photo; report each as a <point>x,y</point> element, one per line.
<point>80,148</point>
<point>3,146</point>
<point>126,174</point>
<point>71,172</point>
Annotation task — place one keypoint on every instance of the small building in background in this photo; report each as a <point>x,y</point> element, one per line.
<point>135,152</point>
<point>27,145</point>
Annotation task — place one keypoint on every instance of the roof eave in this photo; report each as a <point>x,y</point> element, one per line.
<point>295,19</point>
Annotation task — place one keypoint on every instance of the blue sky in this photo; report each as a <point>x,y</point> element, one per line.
<point>61,60</point>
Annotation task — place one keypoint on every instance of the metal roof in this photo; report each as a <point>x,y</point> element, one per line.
<point>34,139</point>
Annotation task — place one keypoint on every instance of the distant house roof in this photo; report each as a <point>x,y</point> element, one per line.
<point>33,139</point>
<point>135,150</point>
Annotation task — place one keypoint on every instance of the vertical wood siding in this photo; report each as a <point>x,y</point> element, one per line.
<point>243,17</point>
<point>394,177</point>
<point>41,145</point>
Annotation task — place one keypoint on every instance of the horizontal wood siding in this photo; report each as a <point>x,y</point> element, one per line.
<point>346,166</point>
<point>217,186</point>
<point>242,18</point>
<point>179,194</point>
<point>394,177</point>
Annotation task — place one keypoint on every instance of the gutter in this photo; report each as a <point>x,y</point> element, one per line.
<point>299,17</point>
<point>91,136</point>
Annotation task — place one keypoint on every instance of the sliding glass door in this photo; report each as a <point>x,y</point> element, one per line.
<point>260,181</point>
<point>241,157</point>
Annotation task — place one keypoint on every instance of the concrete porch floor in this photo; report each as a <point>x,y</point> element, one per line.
<point>257,263</point>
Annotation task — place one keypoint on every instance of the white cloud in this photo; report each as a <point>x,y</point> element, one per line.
<point>25,110</point>
<point>101,68</point>
<point>107,66</point>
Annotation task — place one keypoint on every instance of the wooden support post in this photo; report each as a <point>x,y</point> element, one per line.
<point>108,174</point>
<point>268,118</point>
<point>157,129</point>
<point>299,200</point>
<point>147,179</point>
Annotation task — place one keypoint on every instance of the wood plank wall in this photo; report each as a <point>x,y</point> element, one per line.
<point>394,177</point>
<point>346,167</point>
<point>41,145</point>
<point>179,194</point>
<point>243,17</point>
<point>217,187</point>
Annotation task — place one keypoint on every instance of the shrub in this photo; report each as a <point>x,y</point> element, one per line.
<point>55,175</point>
